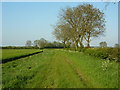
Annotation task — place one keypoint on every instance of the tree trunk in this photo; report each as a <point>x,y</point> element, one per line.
<point>80,39</point>
<point>76,45</point>
<point>88,45</point>
<point>72,43</point>
<point>81,45</point>
<point>88,41</point>
<point>64,43</point>
<point>68,44</point>
<point>80,42</point>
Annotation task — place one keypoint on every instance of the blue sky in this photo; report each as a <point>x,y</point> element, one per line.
<point>22,21</point>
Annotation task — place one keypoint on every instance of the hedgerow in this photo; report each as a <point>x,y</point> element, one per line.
<point>104,53</point>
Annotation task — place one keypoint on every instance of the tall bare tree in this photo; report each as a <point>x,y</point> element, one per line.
<point>42,43</point>
<point>69,16</point>
<point>94,22</point>
<point>63,33</point>
<point>85,22</point>
<point>36,44</point>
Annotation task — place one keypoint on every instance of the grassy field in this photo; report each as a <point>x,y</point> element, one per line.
<point>10,53</point>
<point>60,69</point>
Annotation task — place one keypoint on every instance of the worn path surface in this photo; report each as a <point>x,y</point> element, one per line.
<point>61,72</point>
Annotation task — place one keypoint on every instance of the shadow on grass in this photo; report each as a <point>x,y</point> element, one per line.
<point>18,57</point>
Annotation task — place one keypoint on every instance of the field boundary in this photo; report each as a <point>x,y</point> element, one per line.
<point>18,57</point>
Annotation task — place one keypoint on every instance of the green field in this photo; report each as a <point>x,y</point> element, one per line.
<point>60,69</point>
<point>11,53</point>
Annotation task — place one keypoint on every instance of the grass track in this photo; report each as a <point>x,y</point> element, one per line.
<point>58,69</point>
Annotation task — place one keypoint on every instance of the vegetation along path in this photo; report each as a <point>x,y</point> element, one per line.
<point>59,69</point>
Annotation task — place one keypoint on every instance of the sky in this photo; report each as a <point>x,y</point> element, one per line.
<point>22,21</point>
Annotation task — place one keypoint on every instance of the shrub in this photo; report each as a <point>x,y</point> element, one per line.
<point>104,53</point>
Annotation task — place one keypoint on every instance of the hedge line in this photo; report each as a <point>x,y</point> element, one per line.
<point>104,53</point>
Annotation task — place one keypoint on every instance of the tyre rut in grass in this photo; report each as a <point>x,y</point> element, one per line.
<point>49,80</point>
<point>84,80</point>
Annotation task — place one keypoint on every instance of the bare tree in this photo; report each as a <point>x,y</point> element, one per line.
<point>94,22</point>
<point>36,44</point>
<point>80,23</point>
<point>63,33</point>
<point>42,43</point>
<point>69,16</point>
<point>28,43</point>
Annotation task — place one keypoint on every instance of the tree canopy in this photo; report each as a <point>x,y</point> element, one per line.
<point>78,24</point>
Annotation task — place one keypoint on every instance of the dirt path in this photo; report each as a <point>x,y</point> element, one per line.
<point>61,73</point>
<point>74,67</point>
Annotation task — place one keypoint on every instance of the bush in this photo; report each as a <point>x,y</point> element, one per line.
<point>104,53</point>
<point>72,49</point>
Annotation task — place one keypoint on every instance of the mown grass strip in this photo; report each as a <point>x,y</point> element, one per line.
<point>18,57</point>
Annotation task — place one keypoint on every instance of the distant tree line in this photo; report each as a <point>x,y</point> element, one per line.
<point>104,45</point>
<point>42,43</point>
<point>51,45</point>
<point>17,47</point>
